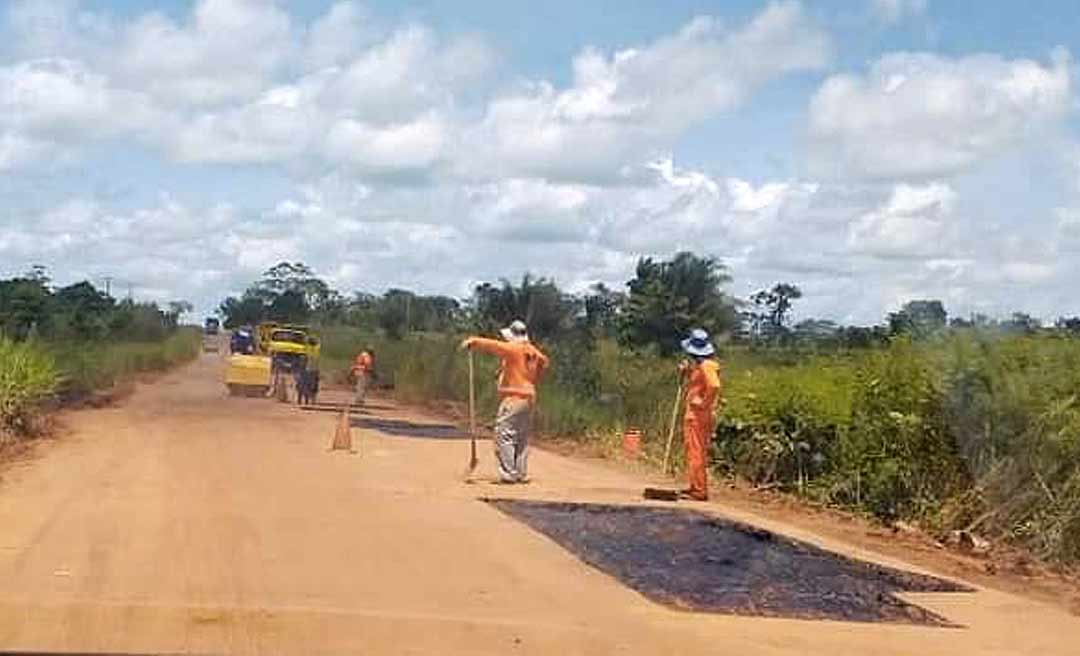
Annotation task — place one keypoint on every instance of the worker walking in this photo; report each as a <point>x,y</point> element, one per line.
<point>521,369</point>
<point>702,373</point>
<point>363,371</point>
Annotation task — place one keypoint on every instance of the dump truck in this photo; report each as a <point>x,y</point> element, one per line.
<point>280,352</point>
<point>211,341</point>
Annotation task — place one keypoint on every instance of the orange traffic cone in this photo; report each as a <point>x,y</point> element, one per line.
<point>631,442</point>
<point>343,433</point>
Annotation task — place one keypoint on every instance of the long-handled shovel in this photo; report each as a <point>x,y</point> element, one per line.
<point>473,460</point>
<point>671,428</point>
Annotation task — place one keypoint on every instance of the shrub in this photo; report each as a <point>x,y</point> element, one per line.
<point>28,375</point>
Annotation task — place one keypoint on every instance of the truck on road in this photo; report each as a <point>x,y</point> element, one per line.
<point>280,353</point>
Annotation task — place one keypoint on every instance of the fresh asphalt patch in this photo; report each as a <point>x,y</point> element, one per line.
<point>403,428</point>
<point>697,562</point>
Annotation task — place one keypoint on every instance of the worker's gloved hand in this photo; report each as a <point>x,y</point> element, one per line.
<point>684,367</point>
<point>466,344</point>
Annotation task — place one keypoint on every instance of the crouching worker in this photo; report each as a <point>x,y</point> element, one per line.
<point>363,371</point>
<point>307,385</point>
<point>702,374</point>
<point>521,369</point>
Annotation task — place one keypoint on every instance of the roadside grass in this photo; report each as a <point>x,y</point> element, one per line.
<point>28,375</point>
<point>87,366</point>
<point>34,372</point>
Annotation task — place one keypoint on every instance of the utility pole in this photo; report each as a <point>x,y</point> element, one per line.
<point>408,312</point>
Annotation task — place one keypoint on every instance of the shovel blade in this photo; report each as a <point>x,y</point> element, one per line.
<point>661,494</point>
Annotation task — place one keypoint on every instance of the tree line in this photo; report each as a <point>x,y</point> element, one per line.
<point>32,307</point>
<point>660,303</point>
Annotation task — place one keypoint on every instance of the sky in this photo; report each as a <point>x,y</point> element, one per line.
<point>872,152</point>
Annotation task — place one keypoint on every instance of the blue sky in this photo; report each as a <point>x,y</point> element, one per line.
<point>872,152</point>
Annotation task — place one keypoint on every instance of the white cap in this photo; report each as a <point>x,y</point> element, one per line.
<point>515,332</point>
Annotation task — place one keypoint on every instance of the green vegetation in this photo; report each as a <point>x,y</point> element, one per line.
<point>28,375</point>
<point>83,367</point>
<point>75,339</point>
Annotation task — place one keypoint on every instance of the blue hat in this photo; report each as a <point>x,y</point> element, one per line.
<point>698,344</point>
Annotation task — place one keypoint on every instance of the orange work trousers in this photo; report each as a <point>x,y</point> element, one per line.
<point>698,426</point>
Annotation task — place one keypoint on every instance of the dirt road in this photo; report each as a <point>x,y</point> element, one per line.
<point>185,521</point>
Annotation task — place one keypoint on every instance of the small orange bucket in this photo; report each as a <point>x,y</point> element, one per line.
<point>631,442</point>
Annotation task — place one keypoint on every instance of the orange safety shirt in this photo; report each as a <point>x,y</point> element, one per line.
<point>522,365</point>
<point>363,363</point>
<point>703,387</point>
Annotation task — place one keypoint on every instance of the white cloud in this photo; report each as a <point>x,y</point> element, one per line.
<point>227,52</point>
<point>913,223</point>
<point>623,108</point>
<point>530,210</point>
<point>918,115</point>
<point>1028,272</point>
<point>407,74</point>
<point>276,127</point>
<point>416,145</point>
<point>236,82</point>
<point>62,98</point>
<point>408,169</point>
<point>335,36</point>
<point>894,11</point>
<point>19,152</point>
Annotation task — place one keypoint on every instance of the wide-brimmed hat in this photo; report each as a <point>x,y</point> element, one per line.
<point>698,344</point>
<point>515,332</point>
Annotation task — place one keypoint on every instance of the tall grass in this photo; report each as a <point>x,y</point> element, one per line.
<point>87,366</point>
<point>28,375</point>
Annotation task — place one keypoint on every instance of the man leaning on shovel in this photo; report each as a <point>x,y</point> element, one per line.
<point>522,366</point>
<point>702,375</point>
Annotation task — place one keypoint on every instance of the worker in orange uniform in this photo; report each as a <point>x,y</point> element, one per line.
<point>521,369</point>
<point>363,371</point>
<point>702,374</point>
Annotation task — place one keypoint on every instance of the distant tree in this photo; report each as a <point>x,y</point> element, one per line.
<point>297,278</point>
<point>815,331</point>
<point>1021,322</point>
<point>287,292</point>
<point>976,321</point>
<point>39,273</point>
<point>537,301</point>
<point>289,306</point>
<point>333,309</point>
<point>773,306</point>
<point>247,310</point>
<point>25,306</point>
<point>862,336</point>
<point>393,312</point>
<point>602,307</point>
<point>437,313</point>
<point>180,308</point>
<point>360,310</point>
<point>668,298</point>
<point>176,311</point>
<point>84,309</point>
<point>920,319</point>
<point>1068,324</point>
<point>140,321</point>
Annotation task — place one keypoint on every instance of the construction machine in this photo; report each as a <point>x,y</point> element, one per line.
<point>279,352</point>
